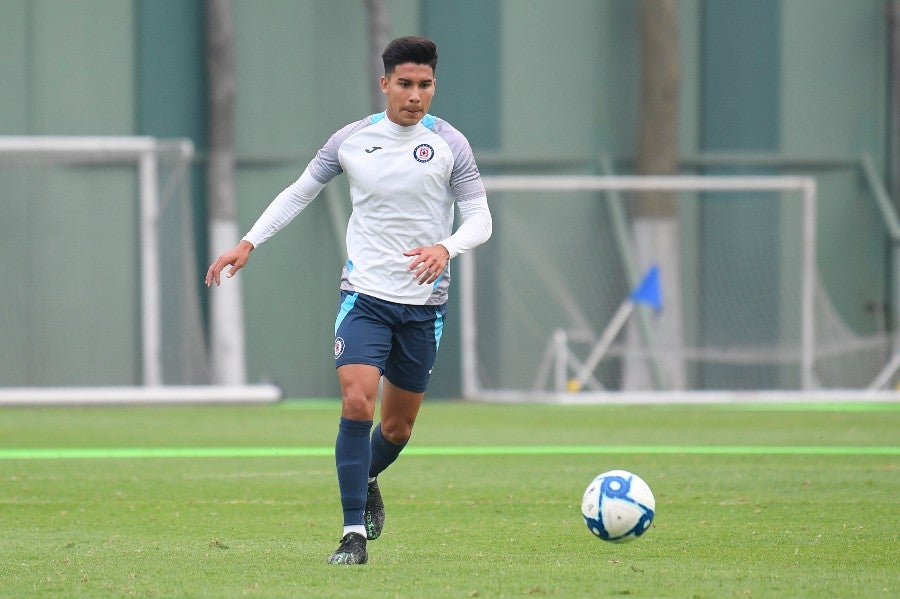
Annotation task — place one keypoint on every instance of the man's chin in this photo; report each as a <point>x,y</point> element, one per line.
<point>411,118</point>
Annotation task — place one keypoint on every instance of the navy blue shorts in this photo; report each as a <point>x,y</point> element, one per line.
<point>399,339</point>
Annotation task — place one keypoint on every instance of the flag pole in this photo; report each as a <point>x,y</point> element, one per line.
<point>609,335</point>
<point>647,292</point>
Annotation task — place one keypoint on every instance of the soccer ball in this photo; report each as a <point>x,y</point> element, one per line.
<point>618,506</point>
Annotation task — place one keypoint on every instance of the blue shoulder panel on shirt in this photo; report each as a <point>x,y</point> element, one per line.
<point>428,121</point>
<point>377,117</point>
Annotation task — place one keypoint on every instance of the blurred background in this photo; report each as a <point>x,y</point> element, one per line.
<point>768,87</point>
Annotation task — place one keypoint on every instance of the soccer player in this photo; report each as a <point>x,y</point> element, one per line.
<point>407,171</point>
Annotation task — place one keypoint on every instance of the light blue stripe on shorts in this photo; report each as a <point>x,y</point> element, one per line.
<point>346,306</point>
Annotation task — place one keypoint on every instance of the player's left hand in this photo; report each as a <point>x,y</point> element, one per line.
<point>429,262</point>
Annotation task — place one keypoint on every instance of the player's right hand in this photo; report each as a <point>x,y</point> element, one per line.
<point>236,257</point>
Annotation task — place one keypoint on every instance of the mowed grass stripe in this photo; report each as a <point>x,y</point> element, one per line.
<point>238,452</point>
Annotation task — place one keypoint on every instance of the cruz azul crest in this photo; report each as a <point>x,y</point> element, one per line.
<point>423,153</point>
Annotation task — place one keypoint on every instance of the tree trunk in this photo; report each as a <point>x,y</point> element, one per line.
<point>227,361</point>
<point>894,169</point>
<point>656,222</point>
<point>379,27</point>
<point>660,83</point>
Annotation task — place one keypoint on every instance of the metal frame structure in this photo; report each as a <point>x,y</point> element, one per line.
<point>144,153</point>
<point>806,186</point>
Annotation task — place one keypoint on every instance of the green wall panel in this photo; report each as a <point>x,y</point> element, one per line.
<point>70,306</point>
<point>468,73</point>
<point>740,99</point>
<point>82,56</point>
<point>835,51</point>
<point>689,23</point>
<point>14,67</point>
<point>170,70</point>
<point>70,232</point>
<point>567,99</point>
<point>741,75</point>
<point>171,93</point>
<point>300,74</point>
<point>834,83</point>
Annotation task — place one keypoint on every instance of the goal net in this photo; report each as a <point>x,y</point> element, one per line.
<point>580,294</point>
<point>101,273</point>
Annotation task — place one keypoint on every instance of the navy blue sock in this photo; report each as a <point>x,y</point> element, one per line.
<point>352,454</point>
<point>383,452</point>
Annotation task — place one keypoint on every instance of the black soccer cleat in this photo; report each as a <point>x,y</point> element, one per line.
<point>373,517</point>
<point>351,551</point>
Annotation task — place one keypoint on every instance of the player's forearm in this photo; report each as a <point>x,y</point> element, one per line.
<point>475,228</point>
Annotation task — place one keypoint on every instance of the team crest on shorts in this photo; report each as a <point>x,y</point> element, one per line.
<point>338,347</point>
<point>423,153</point>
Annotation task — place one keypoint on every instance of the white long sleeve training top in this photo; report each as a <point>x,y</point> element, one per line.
<point>404,184</point>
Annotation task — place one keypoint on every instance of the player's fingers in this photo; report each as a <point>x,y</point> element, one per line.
<point>211,274</point>
<point>215,271</point>
<point>233,271</point>
<point>418,265</point>
<point>429,275</point>
<point>420,273</point>
<point>422,259</point>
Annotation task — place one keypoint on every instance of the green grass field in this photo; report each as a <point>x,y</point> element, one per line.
<point>241,501</point>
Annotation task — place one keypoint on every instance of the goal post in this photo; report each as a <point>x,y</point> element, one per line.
<point>570,249</point>
<point>109,200</point>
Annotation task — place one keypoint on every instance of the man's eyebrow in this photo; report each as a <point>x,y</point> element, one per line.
<point>405,80</point>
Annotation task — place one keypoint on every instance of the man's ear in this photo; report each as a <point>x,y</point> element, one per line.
<point>384,84</point>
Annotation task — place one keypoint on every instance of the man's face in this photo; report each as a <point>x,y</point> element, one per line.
<point>409,90</point>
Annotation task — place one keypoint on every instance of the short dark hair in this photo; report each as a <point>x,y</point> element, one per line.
<point>411,48</point>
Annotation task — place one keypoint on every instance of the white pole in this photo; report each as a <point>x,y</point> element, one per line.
<point>468,327</point>
<point>808,299</point>
<point>151,303</point>
<point>226,312</point>
<point>606,339</point>
<point>535,183</point>
<point>561,363</point>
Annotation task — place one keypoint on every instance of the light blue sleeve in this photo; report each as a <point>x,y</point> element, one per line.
<point>465,179</point>
<point>326,165</point>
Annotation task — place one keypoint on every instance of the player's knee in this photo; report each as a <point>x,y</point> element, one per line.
<point>356,405</point>
<point>396,431</point>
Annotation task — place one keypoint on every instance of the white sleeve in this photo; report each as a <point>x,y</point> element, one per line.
<point>286,205</point>
<point>475,228</point>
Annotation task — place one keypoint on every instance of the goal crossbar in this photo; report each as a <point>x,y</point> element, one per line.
<point>166,394</point>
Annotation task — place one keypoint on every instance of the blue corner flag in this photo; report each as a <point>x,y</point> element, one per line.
<point>648,290</point>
